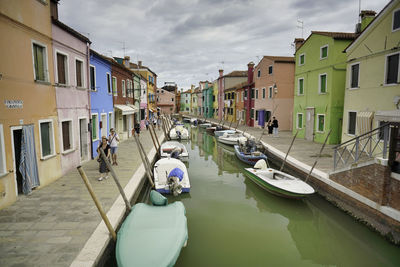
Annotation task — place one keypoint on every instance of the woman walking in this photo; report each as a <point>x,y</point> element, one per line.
<point>102,164</point>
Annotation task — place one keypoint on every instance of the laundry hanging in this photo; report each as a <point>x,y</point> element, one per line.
<point>28,163</point>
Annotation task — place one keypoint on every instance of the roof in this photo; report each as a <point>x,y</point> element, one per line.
<point>334,35</point>
<point>237,73</point>
<point>112,61</point>
<point>136,66</point>
<point>279,59</point>
<point>70,30</point>
<point>378,17</point>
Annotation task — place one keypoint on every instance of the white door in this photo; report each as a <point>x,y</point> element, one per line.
<point>310,124</point>
<point>104,124</point>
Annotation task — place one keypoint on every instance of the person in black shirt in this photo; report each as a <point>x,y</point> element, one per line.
<point>275,127</point>
<point>102,164</point>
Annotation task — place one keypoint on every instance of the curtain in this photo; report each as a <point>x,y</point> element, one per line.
<point>28,163</point>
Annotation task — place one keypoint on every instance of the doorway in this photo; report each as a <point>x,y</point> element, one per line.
<point>310,124</point>
<point>16,139</point>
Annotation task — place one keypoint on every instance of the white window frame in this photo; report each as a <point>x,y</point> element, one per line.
<point>123,84</point>
<point>52,141</point>
<point>304,55</point>
<point>71,135</point>
<point>116,86</point>
<point>83,73</point>
<point>95,83</point>
<point>317,123</point>
<point>385,72</point>
<point>97,126</point>
<point>393,20</point>
<point>351,76</point>
<point>67,81</point>
<point>319,83</point>
<point>270,92</point>
<point>298,86</point>
<point>320,52</point>
<point>46,67</point>
<point>108,79</point>
<point>297,120</point>
<point>3,164</point>
<point>348,123</point>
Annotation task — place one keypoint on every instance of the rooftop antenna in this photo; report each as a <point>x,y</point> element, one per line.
<point>222,62</point>
<point>123,47</point>
<point>300,24</point>
<point>359,11</point>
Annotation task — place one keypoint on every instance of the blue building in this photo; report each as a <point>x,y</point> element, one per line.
<point>101,99</point>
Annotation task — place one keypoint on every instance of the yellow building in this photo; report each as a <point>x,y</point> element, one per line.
<point>215,99</point>
<point>29,145</point>
<point>230,104</point>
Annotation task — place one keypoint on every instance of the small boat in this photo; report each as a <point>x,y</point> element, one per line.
<point>250,157</point>
<point>171,176</point>
<point>186,120</point>
<point>231,139</point>
<point>211,130</point>
<point>173,149</point>
<point>179,132</point>
<point>205,125</point>
<point>221,132</point>
<point>277,182</point>
<point>152,235</point>
<point>193,120</point>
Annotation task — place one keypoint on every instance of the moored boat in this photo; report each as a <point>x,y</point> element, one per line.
<point>218,133</point>
<point>231,139</point>
<point>171,176</point>
<point>152,235</point>
<point>186,120</point>
<point>169,148</point>
<point>205,125</point>
<point>277,182</point>
<point>250,157</point>
<point>179,132</point>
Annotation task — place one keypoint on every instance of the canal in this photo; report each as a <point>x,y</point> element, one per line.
<point>233,222</point>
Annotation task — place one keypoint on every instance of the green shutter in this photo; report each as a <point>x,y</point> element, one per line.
<point>38,54</point>
<point>321,122</point>
<point>323,83</point>
<point>301,86</point>
<point>45,136</point>
<point>324,52</point>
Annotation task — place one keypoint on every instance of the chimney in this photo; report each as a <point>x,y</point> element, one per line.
<point>366,17</point>
<point>221,73</point>
<point>250,70</point>
<point>139,63</point>
<point>54,9</point>
<point>126,61</point>
<point>298,42</point>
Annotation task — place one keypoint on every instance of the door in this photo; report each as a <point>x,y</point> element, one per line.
<point>261,118</point>
<point>310,124</point>
<point>267,115</point>
<point>17,138</point>
<point>83,143</point>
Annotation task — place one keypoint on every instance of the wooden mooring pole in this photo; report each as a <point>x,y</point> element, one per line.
<point>97,203</point>
<point>290,147</point>
<point>156,138</point>
<point>152,138</point>
<point>319,155</point>
<point>145,161</point>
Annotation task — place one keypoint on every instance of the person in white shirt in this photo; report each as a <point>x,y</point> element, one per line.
<point>113,140</point>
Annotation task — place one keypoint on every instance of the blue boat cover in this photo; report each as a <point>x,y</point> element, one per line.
<point>176,172</point>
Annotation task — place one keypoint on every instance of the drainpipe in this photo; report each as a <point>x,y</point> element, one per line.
<point>89,104</point>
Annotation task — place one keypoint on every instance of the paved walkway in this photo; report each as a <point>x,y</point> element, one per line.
<point>51,226</point>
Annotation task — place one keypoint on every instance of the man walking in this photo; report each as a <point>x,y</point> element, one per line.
<point>113,140</point>
<point>275,127</point>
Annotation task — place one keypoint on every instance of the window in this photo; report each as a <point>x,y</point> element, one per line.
<point>322,83</point>
<point>114,86</point>
<point>79,73</point>
<point>257,115</point>
<point>320,123</point>
<point>324,52</point>
<point>40,62</point>
<point>263,93</point>
<point>299,124</point>
<point>66,127</point>
<point>351,124</point>
<point>270,92</point>
<point>92,78</point>
<point>252,113</point>
<point>213,98</point>
<point>302,59</point>
<point>110,120</point>
<point>396,20</point>
<point>252,93</point>
<point>270,69</point>
<point>62,68</point>
<point>108,83</point>
<point>258,73</point>
<point>3,167</point>
<point>355,75</point>
<point>46,133</point>
<point>392,69</point>
<point>95,122</point>
<point>123,88</point>
<point>245,94</point>
<point>257,94</point>
<point>300,90</point>
<point>233,95</point>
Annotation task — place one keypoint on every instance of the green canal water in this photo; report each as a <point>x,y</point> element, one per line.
<point>233,222</point>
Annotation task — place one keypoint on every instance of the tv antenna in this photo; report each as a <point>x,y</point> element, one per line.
<point>300,25</point>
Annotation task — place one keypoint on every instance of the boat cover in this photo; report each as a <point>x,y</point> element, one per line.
<point>152,235</point>
<point>176,172</point>
<point>157,199</point>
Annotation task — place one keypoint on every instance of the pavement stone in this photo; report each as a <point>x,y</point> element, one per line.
<point>50,226</point>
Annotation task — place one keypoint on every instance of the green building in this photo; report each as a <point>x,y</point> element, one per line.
<point>186,102</point>
<point>320,77</point>
<point>208,100</point>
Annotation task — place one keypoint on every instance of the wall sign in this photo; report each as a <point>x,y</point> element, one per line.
<point>14,104</point>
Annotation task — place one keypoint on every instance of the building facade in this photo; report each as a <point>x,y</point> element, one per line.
<point>166,101</point>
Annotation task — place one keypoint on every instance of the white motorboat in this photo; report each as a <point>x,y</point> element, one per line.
<point>192,120</point>
<point>231,139</point>
<point>171,176</point>
<point>277,182</point>
<point>173,149</point>
<point>179,132</point>
<point>221,132</point>
<point>205,125</point>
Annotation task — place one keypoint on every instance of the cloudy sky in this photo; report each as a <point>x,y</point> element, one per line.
<point>186,41</point>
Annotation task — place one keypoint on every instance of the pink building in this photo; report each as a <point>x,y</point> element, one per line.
<point>166,101</point>
<point>274,89</point>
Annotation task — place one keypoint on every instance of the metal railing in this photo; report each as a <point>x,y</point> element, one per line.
<point>362,148</point>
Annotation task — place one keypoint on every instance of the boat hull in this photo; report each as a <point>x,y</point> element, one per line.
<point>248,159</point>
<point>221,133</point>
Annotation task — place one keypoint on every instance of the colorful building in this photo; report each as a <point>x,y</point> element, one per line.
<point>248,96</point>
<point>185,102</point>
<point>274,87</point>
<point>239,103</point>
<point>215,99</point>
<point>199,96</point>
<point>320,76</point>
<point>208,100</point>
<point>193,101</point>
<point>166,101</point>
<point>230,104</point>
<point>29,133</point>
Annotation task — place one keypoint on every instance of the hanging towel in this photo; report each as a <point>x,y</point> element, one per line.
<point>28,163</point>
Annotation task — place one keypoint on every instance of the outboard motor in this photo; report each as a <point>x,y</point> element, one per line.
<point>179,135</point>
<point>174,179</point>
<point>175,153</point>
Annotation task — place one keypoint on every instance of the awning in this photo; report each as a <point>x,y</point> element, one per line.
<point>126,110</point>
<point>364,121</point>
<point>135,108</point>
<point>388,115</point>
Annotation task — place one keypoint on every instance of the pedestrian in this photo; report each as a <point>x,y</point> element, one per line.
<point>113,140</point>
<point>137,129</point>
<point>147,123</point>
<point>154,121</point>
<point>102,164</point>
<point>270,127</point>
<point>159,122</point>
<point>275,127</point>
